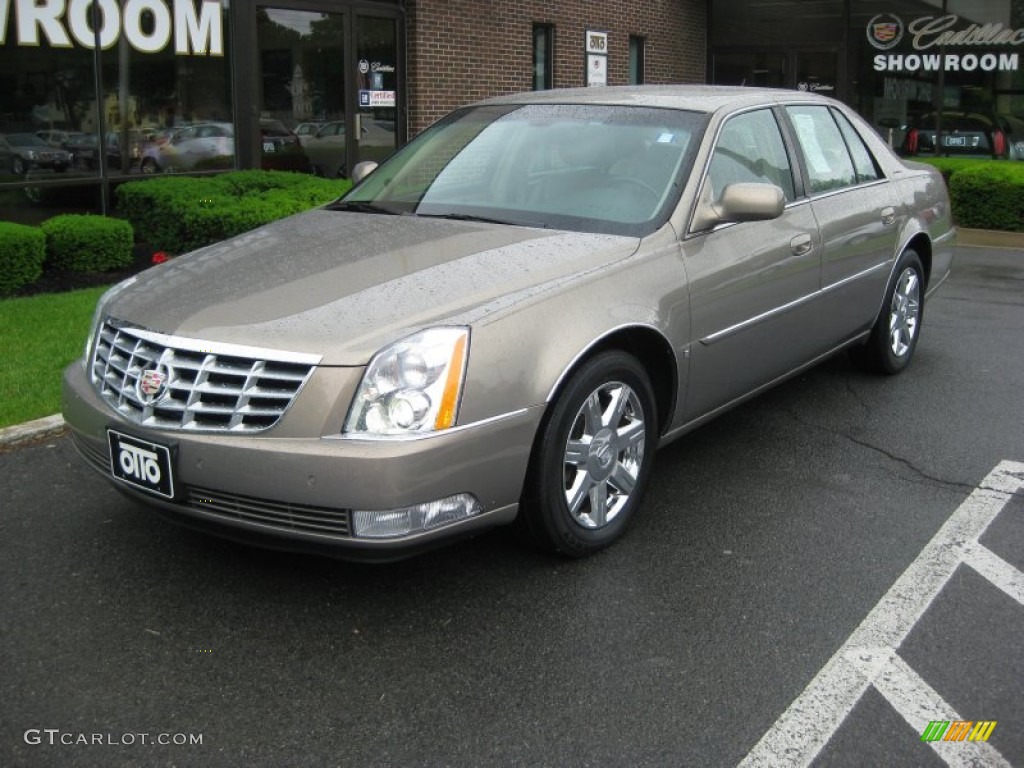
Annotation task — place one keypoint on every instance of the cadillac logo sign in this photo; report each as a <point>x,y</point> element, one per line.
<point>152,384</point>
<point>885,31</point>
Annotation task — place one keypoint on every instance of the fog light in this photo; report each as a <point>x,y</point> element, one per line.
<point>389,523</point>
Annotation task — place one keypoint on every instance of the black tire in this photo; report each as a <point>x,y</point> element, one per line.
<point>18,167</point>
<point>149,166</point>
<point>607,471</point>
<point>894,336</point>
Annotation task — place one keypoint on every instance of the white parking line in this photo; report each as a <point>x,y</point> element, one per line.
<point>919,704</point>
<point>868,657</point>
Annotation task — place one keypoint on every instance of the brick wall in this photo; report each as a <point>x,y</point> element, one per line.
<point>463,50</point>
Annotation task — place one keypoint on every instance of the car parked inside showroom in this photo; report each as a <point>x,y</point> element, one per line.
<point>957,133</point>
<point>502,322</point>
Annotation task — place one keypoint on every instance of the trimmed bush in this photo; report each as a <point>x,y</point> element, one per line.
<point>947,166</point>
<point>182,213</point>
<point>989,196</point>
<point>88,243</point>
<point>22,252</point>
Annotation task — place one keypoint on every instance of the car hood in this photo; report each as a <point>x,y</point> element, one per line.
<point>343,285</point>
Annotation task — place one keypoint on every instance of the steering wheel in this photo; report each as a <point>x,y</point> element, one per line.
<point>640,184</point>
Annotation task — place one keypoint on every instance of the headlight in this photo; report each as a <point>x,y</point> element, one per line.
<point>31,154</point>
<point>412,386</point>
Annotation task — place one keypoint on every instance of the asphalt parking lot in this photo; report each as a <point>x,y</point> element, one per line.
<point>813,576</point>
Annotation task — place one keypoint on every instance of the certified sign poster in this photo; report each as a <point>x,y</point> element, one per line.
<point>376,99</point>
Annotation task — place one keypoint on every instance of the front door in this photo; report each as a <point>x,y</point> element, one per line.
<point>751,284</point>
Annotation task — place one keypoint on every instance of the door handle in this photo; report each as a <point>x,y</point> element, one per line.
<point>801,244</point>
<point>888,216</point>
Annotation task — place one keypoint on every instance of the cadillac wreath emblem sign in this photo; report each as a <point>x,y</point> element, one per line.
<point>885,31</point>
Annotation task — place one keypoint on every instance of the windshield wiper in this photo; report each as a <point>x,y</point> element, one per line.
<point>465,217</point>
<point>359,206</point>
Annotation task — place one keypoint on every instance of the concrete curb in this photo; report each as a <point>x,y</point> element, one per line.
<point>50,426</point>
<point>989,238</point>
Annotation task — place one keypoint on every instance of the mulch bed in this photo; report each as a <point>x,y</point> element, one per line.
<point>61,280</point>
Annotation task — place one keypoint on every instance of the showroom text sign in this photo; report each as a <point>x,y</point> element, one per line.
<point>146,24</point>
<point>886,30</point>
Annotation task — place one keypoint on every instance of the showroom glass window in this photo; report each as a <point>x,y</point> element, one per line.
<point>933,89</point>
<point>107,82</point>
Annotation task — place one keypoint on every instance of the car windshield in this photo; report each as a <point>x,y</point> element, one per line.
<point>25,140</point>
<point>609,169</point>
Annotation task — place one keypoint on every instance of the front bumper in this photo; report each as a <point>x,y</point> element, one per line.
<point>297,493</point>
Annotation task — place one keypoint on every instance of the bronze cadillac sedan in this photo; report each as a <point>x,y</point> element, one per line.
<point>503,321</point>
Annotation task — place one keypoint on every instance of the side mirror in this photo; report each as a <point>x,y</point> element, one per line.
<point>741,202</point>
<point>362,170</point>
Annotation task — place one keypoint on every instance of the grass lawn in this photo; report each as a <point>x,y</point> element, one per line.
<point>39,336</point>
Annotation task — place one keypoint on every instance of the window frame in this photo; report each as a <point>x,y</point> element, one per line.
<point>795,171</point>
<point>831,110</point>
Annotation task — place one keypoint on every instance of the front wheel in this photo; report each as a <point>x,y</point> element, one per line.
<point>592,458</point>
<point>149,166</point>
<point>898,327</point>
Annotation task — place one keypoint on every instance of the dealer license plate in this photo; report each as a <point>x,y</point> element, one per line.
<point>955,141</point>
<point>141,463</point>
<point>268,146</point>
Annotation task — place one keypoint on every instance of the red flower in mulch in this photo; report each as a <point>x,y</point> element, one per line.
<point>160,257</point>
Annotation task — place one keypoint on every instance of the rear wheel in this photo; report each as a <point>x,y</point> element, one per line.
<point>592,458</point>
<point>898,327</point>
<point>149,166</point>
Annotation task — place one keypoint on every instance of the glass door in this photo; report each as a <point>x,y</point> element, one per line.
<point>799,69</point>
<point>301,91</point>
<point>816,71</point>
<point>764,69</point>
<point>376,102</point>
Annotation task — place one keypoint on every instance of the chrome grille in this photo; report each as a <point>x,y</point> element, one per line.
<point>206,386</point>
<point>277,514</point>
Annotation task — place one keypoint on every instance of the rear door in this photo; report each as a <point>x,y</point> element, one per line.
<point>854,205</point>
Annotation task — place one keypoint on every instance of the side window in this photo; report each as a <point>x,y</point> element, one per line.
<point>184,135</point>
<point>863,162</point>
<point>750,149</point>
<point>829,165</point>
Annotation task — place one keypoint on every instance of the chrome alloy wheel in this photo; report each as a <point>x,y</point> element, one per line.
<point>904,312</point>
<point>604,454</point>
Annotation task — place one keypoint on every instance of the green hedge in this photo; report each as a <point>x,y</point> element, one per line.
<point>22,252</point>
<point>949,165</point>
<point>182,213</point>
<point>85,243</point>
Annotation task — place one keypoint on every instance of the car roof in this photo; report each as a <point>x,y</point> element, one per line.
<point>698,98</point>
